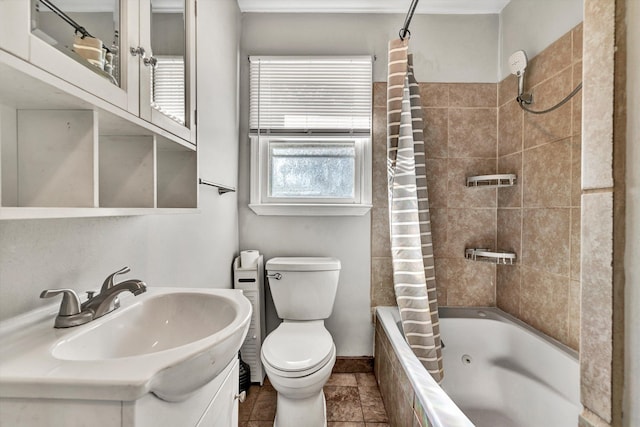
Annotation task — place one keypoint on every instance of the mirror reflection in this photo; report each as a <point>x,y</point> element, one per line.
<point>168,43</point>
<point>87,31</point>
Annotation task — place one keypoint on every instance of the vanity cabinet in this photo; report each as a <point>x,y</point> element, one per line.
<point>76,140</point>
<point>214,405</point>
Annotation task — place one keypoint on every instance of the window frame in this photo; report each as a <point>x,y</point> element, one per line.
<point>263,204</point>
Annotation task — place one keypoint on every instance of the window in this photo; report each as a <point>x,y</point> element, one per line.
<point>310,129</point>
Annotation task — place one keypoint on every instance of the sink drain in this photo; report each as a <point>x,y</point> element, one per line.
<point>466,359</point>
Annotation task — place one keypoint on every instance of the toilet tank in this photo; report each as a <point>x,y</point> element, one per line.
<point>303,288</point>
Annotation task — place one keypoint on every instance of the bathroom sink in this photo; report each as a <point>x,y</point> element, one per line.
<point>167,341</point>
<point>155,324</point>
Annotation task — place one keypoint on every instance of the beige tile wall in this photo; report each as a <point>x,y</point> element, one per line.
<point>461,139</point>
<point>401,404</point>
<point>476,129</point>
<point>540,217</point>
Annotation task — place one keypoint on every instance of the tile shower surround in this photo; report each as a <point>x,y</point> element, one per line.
<point>477,129</point>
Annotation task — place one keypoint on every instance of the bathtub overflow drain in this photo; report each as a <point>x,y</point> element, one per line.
<point>466,359</point>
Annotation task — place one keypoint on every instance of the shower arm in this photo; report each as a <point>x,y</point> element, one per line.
<point>526,98</point>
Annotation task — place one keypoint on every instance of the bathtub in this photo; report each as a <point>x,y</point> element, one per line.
<point>499,372</point>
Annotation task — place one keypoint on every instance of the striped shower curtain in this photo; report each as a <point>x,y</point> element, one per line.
<point>410,228</point>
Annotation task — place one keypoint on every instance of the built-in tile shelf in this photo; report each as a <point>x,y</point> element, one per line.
<point>493,181</point>
<point>487,255</point>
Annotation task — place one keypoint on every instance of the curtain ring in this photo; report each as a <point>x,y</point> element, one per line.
<point>403,33</point>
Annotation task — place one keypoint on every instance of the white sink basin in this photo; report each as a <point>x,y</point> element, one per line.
<point>158,323</point>
<point>168,341</point>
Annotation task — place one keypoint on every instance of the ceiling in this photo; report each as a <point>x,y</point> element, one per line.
<point>469,7</point>
<point>374,6</point>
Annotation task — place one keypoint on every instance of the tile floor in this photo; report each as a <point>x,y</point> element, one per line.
<point>353,400</point>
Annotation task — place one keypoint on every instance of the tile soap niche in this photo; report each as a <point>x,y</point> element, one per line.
<point>484,254</point>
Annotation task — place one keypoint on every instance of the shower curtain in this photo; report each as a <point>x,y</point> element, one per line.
<point>410,229</point>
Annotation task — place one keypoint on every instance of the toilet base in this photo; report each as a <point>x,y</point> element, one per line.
<point>307,412</point>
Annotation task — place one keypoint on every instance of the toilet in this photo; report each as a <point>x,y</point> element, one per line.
<point>298,355</point>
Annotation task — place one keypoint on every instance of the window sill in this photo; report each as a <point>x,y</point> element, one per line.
<point>309,209</point>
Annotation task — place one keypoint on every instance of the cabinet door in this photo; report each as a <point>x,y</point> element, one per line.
<point>85,43</point>
<point>223,410</point>
<point>14,27</point>
<point>167,71</point>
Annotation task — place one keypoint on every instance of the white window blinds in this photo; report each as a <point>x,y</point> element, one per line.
<point>302,94</point>
<point>168,86</point>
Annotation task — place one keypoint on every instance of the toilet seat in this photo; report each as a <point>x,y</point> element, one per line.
<point>297,349</point>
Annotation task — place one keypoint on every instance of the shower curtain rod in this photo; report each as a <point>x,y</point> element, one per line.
<point>79,28</point>
<point>66,18</point>
<point>404,31</point>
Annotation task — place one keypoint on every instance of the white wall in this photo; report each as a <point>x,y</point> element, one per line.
<point>446,48</point>
<point>632,251</point>
<point>176,250</point>
<point>532,25</point>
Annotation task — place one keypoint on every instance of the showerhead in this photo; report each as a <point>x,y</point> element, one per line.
<point>518,62</point>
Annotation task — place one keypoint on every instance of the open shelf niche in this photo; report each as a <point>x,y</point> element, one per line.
<point>67,153</point>
<point>177,173</point>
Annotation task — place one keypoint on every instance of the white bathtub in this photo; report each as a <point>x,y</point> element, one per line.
<point>499,372</point>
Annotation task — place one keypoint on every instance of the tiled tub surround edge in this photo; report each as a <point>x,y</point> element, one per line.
<point>411,396</point>
<point>408,391</point>
<point>603,213</point>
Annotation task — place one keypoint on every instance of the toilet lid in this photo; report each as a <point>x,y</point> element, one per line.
<point>298,346</point>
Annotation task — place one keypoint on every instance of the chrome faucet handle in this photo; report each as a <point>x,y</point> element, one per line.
<point>108,282</point>
<point>70,313</point>
<point>70,302</point>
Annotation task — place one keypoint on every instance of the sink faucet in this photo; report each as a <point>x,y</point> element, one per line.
<point>107,284</point>
<point>106,301</point>
<point>72,313</point>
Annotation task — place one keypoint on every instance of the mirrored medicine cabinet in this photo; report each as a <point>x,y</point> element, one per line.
<point>142,47</point>
<point>100,95</point>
